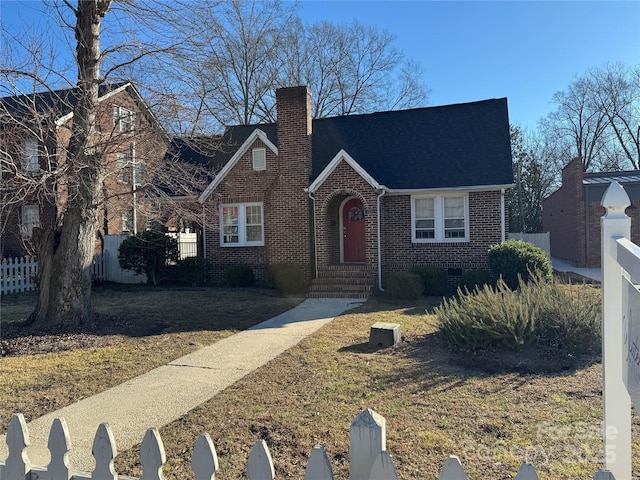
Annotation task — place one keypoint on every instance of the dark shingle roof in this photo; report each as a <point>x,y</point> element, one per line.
<point>436,147</point>
<point>57,102</point>
<point>459,145</point>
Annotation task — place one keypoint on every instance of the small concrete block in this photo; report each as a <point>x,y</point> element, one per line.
<point>384,335</point>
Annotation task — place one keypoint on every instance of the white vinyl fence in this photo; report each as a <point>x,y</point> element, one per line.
<point>620,329</point>
<point>540,240</point>
<point>368,457</point>
<point>19,274</point>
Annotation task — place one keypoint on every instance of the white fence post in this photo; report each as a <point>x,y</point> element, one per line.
<point>615,224</point>
<point>367,438</point>
<point>204,461</point>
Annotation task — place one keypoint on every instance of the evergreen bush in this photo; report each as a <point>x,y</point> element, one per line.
<point>288,278</point>
<point>435,279</point>
<point>404,286</point>
<point>515,259</point>
<point>147,253</point>
<point>553,318</point>
<point>194,271</point>
<point>239,276</point>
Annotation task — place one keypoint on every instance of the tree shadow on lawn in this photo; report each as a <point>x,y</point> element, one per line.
<point>437,367</point>
<point>140,311</point>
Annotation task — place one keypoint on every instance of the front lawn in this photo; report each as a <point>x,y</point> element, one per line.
<point>138,328</point>
<point>309,395</point>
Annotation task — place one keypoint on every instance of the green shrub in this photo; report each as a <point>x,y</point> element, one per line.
<point>552,318</point>
<point>516,259</point>
<point>476,278</point>
<point>569,319</point>
<point>194,271</point>
<point>289,279</point>
<point>147,252</point>
<point>435,279</point>
<point>239,276</point>
<point>404,286</point>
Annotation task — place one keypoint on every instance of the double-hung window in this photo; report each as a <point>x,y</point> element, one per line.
<point>29,155</point>
<point>124,119</point>
<point>30,218</point>
<point>440,218</point>
<point>124,166</point>
<point>241,225</point>
<point>128,221</point>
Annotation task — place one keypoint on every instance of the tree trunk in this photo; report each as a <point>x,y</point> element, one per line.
<point>65,276</point>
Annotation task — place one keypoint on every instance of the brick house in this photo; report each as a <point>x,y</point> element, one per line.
<point>35,130</point>
<point>572,213</point>
<point>351,199</point>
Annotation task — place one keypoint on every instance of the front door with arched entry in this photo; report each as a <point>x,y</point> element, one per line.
<point>353,231</point>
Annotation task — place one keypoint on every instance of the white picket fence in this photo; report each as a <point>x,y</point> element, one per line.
<point>368,457</point>
<point>18,274</point>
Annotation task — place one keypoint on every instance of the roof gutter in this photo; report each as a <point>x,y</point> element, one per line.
<point>468,188</point>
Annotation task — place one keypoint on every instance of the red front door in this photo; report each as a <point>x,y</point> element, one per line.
<point>353,231</point>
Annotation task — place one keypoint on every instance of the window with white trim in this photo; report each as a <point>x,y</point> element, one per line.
<point>127,221</point>
<point>241,225</point>
<point>124,166</point>
<point>124,119</point>
<point>440,218</point>
<point>29,155</point>
<point>259,159</point>
<point>30,218</point>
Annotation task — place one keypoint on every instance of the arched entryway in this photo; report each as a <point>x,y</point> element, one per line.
<point>352,226</point>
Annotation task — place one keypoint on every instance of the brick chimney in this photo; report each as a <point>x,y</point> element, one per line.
<point>293,106</point>
<point>290,241</point>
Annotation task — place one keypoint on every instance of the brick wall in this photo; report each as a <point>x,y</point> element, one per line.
<point>563,216</point>
<point>150,148</point>
<point>344,182</point>
<point>400,254</point>
<point>287,212</point>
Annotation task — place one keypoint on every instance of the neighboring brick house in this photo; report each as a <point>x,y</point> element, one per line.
<point>572,213</point>
<point>35,130</point>
<point>351,199</point>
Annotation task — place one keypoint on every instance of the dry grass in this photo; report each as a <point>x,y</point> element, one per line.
<point>310,394</point>
<point>156,326</point>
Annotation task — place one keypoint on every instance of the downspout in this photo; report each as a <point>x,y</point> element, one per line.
<point>315,232</point>
<point>503,220</point>
<point>382,192</point>
<point>204,233</point>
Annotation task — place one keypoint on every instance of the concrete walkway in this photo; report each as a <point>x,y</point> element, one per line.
<point>168,392</point>
<point>562,266</point>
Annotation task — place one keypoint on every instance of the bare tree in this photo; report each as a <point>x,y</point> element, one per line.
<point>74,153</point>
<point>597,118</point>
<point>250,47</point>
<point>616,93</point>
<point>578,123</point>
<point>535,171</point>
<point>354,68</point>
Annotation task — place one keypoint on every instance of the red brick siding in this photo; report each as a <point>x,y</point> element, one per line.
<point>287,212</point>
<point>400,254</point>
<point>343,182</point>
<point>594,232</point>
<point>150,148</point>
<point>563,216</point>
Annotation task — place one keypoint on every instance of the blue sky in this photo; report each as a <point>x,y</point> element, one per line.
<point>525,51</point>
<point>474,50</point>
